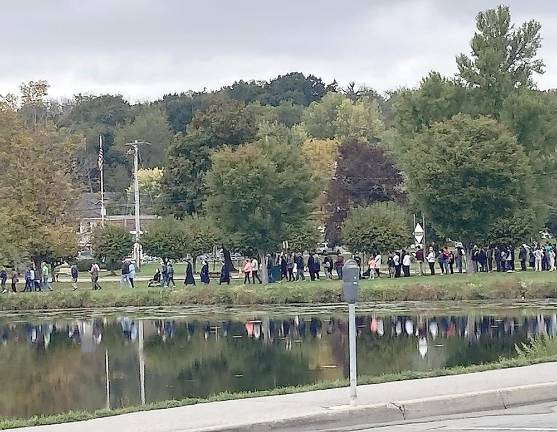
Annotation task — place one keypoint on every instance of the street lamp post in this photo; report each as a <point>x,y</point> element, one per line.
<point>350,287</point>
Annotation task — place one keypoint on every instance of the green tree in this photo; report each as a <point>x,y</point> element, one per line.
<point>302,236</point>
<point>256,191</point>
<point>189,158</point>
<point>148,125</point>
<point>166,238</point>
<point>381,227</point>
<point>202,235</point>
<point>503,58</point>
<point>111,245</point>
<point>467,174</point>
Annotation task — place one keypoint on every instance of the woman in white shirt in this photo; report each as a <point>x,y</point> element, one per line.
<point>431,260</point>
<point>406,263</point>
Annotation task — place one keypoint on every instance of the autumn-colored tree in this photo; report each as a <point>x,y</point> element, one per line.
<point>37,187</point>
<point>364,175</point>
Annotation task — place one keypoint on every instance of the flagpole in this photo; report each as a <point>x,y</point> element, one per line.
<point>101,169</point>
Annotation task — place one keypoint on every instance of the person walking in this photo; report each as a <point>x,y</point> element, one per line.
<point>420,260</point>
<point>224,274</point>
<point>45,271</point>
<point>164,273</point>
<point>189,279</point>
<point>124,281</point>
<point>15,280</point>
<point>289,268</point>
<point>538,254</point>
<point>378,264</point>
<point>371,265</point>
<point>247,272</point>
<point>95,269</point>
<point>300,265</point>
<point>431,261</point>
<point>482,261</point>
<point>311,266</point>
<point>255,271</point>
<point>74,273</point>
<point>35,282</point>
<point>204,275</point>
<point>170,276</point>
<point>131,274</point>
<point>3,280</point>
<point>317,267</point>
<point>283,267</point>
<point>28,281</point>
<point>406,261</point>
<point>551,258</point>
<point>445,260</point>
<point>339,264</point>
<point>458,258</point>
<point>328,266</point>
<point>451,261</point>
<point>397,263</point>
<point>522,256</point>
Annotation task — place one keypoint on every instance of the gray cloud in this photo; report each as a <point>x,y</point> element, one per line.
<point>145,48</point>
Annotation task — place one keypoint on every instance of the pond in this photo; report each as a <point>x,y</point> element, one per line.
<point>55,362</point>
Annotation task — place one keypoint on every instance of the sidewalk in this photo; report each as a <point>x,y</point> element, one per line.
<point>319,410</point>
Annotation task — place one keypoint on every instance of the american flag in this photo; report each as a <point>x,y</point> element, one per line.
<point>101,153</point>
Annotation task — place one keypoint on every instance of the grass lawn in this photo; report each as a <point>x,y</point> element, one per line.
<point>488,286</point>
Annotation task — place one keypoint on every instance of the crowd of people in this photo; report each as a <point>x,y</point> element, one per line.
<point>291,267</point>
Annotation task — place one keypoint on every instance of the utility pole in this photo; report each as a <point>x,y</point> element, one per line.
<point>137,246</point>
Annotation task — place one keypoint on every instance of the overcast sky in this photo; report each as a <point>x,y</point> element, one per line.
<point>146,48</point>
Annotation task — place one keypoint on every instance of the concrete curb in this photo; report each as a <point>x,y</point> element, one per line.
<point>401,411</point>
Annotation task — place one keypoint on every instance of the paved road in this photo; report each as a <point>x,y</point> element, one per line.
<point>538,418</point>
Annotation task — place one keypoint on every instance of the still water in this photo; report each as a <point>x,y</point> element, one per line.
<point>58,361</point>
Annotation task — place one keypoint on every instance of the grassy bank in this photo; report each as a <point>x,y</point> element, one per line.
<point>491,286</point>
<point>73,416</point>
<point>457,287</point>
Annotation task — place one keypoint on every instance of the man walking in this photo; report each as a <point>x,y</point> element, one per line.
<point>95,269</point>
<point>420,260</point>
<point>255,271</point>
<point>45,270</point>
<point>125,281</point>
<point>74,272</point>
<point>522,256</point>
<point>538,254</point>
<point>300,266</point>
<point>3,279</point>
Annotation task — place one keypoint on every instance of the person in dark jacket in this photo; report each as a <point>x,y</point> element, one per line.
<point>523,256</point>
<point>482,260</point>
<point>74,271</point>
<point>204,275</point>
<point>189,280</point>
<point>283,267</point>
<point>497,256</point>
<point>170,275</point>
<point>311,266</point>
<point>224,274</point>
<point>300,267</point>
<point>3,279</point>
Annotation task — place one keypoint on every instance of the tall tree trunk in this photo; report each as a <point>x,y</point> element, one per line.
<point>228,259</point>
